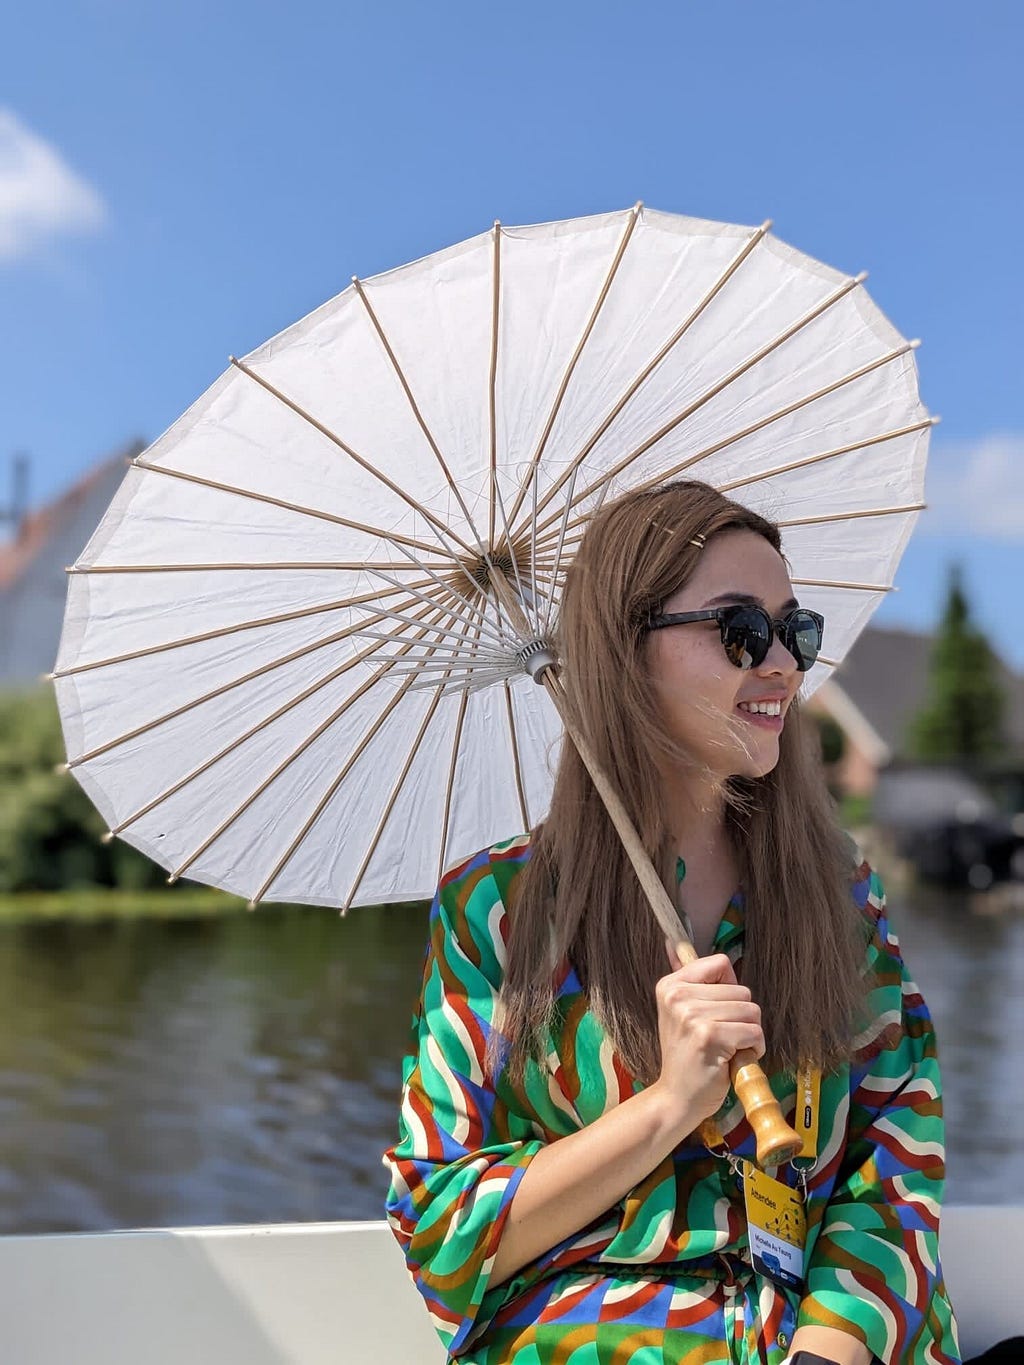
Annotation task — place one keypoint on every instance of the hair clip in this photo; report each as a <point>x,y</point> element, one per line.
<point>697,540</point>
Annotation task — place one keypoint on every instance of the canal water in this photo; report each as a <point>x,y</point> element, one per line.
<point>246,1069</point>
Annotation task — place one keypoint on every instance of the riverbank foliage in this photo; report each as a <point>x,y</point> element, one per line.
<point>51,848</point>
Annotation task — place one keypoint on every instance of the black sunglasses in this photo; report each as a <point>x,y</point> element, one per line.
<point>747,632</point>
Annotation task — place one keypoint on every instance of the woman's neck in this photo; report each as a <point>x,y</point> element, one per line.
<point>700,833</point>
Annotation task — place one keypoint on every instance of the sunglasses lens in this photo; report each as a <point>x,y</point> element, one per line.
<point>803,638</point>
<point>746,635</point>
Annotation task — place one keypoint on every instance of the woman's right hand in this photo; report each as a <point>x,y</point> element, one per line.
<point>704,1018</point>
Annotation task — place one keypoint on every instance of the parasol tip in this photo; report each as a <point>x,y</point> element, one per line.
<point>914,343</point>
<point>107,837</point>
<point>250,905</point>
<point>860,277</point>
<point>47,677</point>
<point>61,768</point>
<point>767,225</point>
<point>935,420</point>
<point>172,879</point>
<point>232,360</point>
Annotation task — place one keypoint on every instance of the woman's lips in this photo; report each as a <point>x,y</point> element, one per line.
<point>772,723</point>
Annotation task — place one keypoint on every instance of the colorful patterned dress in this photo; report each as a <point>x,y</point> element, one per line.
<point>665,1276</point>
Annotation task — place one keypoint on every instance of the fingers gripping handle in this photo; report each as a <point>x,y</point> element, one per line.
<point>776,1140</point>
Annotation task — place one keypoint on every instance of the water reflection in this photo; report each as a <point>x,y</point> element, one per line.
<point>247,1069</point>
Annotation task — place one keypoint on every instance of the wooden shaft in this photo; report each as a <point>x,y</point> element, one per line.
<point>776,1140</point>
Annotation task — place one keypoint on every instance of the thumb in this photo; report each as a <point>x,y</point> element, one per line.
<point>716,969</point>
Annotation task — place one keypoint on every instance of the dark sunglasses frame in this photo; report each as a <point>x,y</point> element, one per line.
<point>744,645</point>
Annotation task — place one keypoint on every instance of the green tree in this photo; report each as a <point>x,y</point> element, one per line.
<point>50,832</point>
<point>962,719</point>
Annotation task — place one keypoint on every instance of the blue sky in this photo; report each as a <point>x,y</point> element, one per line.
<point>179,182</point>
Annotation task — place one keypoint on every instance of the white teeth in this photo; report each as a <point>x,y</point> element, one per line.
<point>762,708</point>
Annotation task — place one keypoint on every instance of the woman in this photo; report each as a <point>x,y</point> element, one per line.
<point>550,1189</point>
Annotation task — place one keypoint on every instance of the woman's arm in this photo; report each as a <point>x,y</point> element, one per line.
<point>704,1018</point>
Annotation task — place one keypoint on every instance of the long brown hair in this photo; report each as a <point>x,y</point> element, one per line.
<point>578,893</point>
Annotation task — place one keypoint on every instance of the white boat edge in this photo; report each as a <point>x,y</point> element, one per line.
<point>331,1293</point>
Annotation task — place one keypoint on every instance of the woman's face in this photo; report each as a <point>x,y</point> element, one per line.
<point>706,700</point>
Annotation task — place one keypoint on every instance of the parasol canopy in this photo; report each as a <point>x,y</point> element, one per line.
<point>284,669</point>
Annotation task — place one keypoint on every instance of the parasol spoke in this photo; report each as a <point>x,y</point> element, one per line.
<point>831,583</point>
<point>492,379</point>
<point>516,763</point>
<point>556,567</point>
<point>395,537</point>
<point>241,739</point>
<point>354,566</point>
<point>215,692</point>
<point>762,475</point>
<point>460,721</point>
<point>764,351</point>
<point>748,246</point>
<point>286,763</point>
<point>853,516</point>
<point>221,631</point>
<point>393,797</point>
<point>524,488</point>
<point>321,805</point>
<point>467,610</point>
<point>828,455</point>
<point>441,529</point>
<point>400,374</point>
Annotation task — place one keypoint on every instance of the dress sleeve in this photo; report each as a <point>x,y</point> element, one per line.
<point>461,1151</point>
<point>874,1270</point>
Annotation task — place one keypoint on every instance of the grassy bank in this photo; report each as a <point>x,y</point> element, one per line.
<point>106,902</point>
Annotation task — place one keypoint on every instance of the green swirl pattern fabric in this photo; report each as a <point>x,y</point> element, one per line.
<point>665,1276</point>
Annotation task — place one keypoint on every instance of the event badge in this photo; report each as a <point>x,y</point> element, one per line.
<point>776,1227</point>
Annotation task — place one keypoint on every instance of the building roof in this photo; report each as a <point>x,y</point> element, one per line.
<point>885,676</point>
<point>33,584</point>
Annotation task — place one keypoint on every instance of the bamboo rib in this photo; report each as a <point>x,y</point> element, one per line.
<point>239,740</point>
<point>441,529</point>
<point>516,764</point>
<point>393,797</point>
<point>852,516</point>
<point>450,784</point>
<point>286,763</point>
<point>827,455</point>
<point>708,451</point>
<point>833,583</point>
<point>215,692</point>
<point>492,381</point>
<point>329,793</point>
<point>400,374</point>
<point>560,550</point>
<point>353,566</point>
<point>812,315</point>
<point>378,833</point>
<point>248,493</point>
<point>634,217</point>
<point>220,632</point>
<point>752,241</point>
<point>477,607</point>
<point>474,609</point>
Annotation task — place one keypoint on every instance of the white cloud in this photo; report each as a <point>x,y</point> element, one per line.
<point>976,488</point>
<point>40,195</point>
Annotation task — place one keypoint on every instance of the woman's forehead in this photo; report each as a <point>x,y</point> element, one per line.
<point>739,564</point>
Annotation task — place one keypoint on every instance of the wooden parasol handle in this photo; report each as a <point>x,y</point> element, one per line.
<point>776,1140</point>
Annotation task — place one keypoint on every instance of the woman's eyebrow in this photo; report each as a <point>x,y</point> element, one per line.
<point>747,599</point>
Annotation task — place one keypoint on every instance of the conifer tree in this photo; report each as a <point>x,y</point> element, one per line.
<point>962,718</point>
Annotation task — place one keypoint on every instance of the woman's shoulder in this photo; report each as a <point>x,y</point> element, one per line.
<point>470,910</point>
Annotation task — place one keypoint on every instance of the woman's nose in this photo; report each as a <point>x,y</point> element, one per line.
<point>778,659</point>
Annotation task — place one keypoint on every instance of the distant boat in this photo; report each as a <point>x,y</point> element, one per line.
<point>331,1294</point>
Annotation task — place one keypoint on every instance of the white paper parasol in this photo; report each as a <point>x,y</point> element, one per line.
<point>282,653</point>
